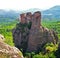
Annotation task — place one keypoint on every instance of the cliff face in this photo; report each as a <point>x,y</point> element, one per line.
<point>30,35</point>
<point>21,35</point>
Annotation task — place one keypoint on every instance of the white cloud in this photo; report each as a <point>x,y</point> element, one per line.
<point>27,4</point>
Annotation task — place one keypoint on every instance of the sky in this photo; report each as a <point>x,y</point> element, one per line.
<point>28,4</point>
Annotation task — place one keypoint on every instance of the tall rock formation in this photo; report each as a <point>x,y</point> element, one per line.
<point>30,35</point>
<point>39,35</point>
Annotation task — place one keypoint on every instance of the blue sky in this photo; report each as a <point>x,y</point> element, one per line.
<point>28,4</point>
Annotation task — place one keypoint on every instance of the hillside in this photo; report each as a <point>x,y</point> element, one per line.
<point>52,13</point>
<point>11,15</point>
<point>8,16</point>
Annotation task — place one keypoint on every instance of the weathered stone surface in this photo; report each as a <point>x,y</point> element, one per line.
<point>7,51</point>
<point>23,18</point>
<point>2,38</point>
<point>29,17</point>
<point>38,38</point>
<point>32,37</point>
<point>20,36</point>
<point>39,35</point>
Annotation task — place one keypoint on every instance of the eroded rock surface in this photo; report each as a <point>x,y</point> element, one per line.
<point>30,35</point>
<point>7,51</point>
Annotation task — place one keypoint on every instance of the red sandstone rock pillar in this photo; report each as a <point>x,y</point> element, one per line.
<point>29,16</point>
<point>35,32</point>
<point>36,20</point>
<point>23,18</point>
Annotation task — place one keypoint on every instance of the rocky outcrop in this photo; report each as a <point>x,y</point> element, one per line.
<point>38,38</point>
<point>20,36</point>
<point>2,38</point>
<point>7,51</point>
<point>29,35</point>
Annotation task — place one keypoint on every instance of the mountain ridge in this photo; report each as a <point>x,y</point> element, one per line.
<point>52,13</point>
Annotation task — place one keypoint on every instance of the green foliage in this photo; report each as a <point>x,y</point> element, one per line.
<point>52,25</point>
<point>6,31</point>
<point>57,52</point>
<point>51,47</point>
<point>40,55</point>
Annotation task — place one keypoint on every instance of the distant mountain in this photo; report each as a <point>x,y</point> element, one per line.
<point>8,16</point>
<point>33,10</point>
<point>52,13</point>
<point>49,14</point>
